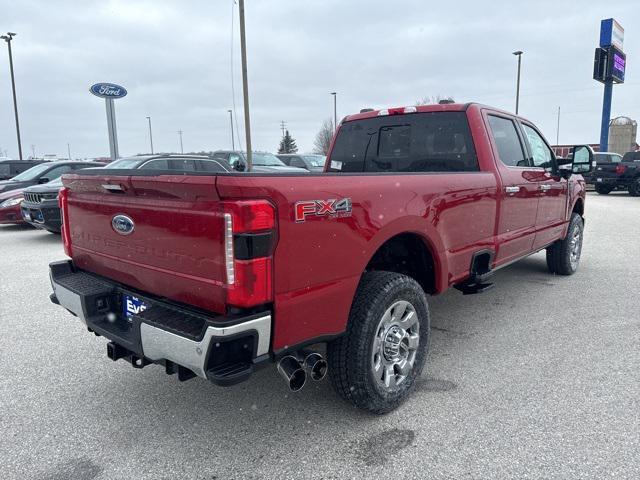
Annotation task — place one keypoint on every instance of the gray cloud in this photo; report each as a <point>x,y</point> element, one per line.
<point>174,59</point>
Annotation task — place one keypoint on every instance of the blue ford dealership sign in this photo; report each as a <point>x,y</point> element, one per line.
<point>108,90</point>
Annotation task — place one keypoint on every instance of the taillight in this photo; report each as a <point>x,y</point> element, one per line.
<point>64,209</point>
<point>620,169</point>
<point>249,240</point>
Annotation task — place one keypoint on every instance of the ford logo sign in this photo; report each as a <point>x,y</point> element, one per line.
<point>108,90</point>
<point>123,225</point>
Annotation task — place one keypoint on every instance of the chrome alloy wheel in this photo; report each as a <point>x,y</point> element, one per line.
<point>395,345</point>
<point>575,247</point>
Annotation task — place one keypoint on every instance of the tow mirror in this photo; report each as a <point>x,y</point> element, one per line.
<point>582,159</point>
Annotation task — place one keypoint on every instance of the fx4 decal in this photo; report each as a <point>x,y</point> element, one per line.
<point>322,208</point>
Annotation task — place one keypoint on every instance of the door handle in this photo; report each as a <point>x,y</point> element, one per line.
<point>545,188</point>
<point>514,189</point>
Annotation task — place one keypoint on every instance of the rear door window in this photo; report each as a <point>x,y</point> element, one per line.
<point>507,141</point>
<point>5,169</point>
<point>160,164</point>
<point>183,164</point>
<point>57,171</point>
<point>213,166</point>
<point>421,142</point>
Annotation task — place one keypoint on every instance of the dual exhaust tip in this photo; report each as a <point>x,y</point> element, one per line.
<point>297,367</point>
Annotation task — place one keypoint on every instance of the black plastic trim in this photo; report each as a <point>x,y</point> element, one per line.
<point>247,246</point>
<point>278,354</point>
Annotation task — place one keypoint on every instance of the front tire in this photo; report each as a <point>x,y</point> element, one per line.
<point>563,257</point>
<point>602,189</point>
<point>375,364</point>
<point>634,188</point>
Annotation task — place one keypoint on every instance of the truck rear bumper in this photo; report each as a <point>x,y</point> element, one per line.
<point>223,349</point>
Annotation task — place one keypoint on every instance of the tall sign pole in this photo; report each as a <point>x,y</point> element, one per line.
<point>7,38</point>
<point>609,68</point>
<point>245,85</point>
<point>109,92</point>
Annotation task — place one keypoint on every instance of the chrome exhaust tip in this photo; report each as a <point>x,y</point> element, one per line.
<point>313,363</point>
<point>293,372</point>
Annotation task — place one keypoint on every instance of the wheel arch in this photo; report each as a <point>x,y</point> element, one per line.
<point>410,253</point>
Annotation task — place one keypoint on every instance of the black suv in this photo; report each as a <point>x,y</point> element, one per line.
<point>43,173</point>
<point>11,168</point>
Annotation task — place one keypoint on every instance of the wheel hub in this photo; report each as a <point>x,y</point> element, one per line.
<point>396,345</point>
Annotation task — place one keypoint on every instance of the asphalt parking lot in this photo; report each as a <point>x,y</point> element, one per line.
<point>537,378</point>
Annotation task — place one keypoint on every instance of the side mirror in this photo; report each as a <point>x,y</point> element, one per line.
<point>239,166</point>
<point>43,180</point>
<point>582,159</point>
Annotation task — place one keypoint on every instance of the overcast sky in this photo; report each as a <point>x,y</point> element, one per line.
<point>174,58</point>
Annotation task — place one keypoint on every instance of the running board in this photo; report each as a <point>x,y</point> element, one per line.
<point>472,289</point>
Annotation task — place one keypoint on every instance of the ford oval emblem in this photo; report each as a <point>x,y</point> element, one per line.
<point>123,225</point>
<point>108,90</point>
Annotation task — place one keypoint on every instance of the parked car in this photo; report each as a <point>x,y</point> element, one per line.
<point>262,162</point>
<point>42,173</point>
<point>602,158</point>
<point>217,275</point>
<point>620,175</point>
<point>10,207</point>
<point>40,206</point>
<point>11,168</point>
<point>313,163</point>
<point>174,163</point>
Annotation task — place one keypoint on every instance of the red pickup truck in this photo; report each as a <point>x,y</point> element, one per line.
<point>213,275</point>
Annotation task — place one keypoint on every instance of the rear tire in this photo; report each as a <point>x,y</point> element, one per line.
<point>375,364</point>
<point>563,257</point>
<point>602,189</point>
<point>634,188</point>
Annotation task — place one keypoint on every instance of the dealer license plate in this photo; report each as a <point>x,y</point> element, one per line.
<point>132,306</point>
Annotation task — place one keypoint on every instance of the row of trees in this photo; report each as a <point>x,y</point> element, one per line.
<point>325,134</point>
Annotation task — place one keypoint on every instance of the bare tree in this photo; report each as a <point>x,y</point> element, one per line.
<point>323,138</point>
<point>432,100</point>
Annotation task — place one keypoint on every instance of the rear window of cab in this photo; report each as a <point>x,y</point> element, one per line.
<point>419,142</point>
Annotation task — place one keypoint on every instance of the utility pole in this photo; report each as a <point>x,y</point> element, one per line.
<point>283,126</point>
<point>233,142</point>
<point>335,111</point>
<point>245,86</point>
<point>180,133</point>
<point>150,134</point>
<point>33,151</point>
<point>558,129</point>
<point>519,55</point>
<point>7,38</point>
<point>69,151</point>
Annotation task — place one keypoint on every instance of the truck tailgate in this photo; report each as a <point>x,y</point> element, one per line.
<point>176,246</point>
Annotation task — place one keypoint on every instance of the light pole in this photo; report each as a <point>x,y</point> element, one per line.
<point>180,133</point>
<point>558,129</point>
<point>519,55</point>
<point>7,38</point>
<point>150,134</point>
<point>335,111</point>
<point>245,86</point>
<point>233,142</point>
<point>69,151</point>
<point>33,151</point>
